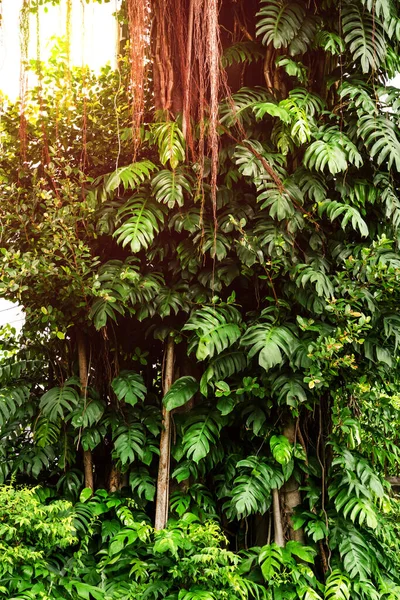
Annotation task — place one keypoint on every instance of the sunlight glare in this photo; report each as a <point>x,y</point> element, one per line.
<point>93,37</point>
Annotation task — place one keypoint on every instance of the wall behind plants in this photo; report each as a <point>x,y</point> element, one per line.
<point>206,248</point>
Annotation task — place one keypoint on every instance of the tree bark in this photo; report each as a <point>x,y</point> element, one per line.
<point>83,378</point>
<point>162,500</point>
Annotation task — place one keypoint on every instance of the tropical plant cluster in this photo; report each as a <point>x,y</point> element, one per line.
<point>204,401</point>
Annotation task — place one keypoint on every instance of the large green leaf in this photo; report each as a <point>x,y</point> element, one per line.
<point>271,560</point>
<point>129,442</point>
<point>130,177</point>
<point>273,342</point>
<point>251,491</point>
<point>142,219</point>
<point>364,37</point>
<point>200,433</point>
<point>169,187</point>
<point>12,398</point>
<point>216,329</point>
<point>279,21</point>
<point>181,391</point>
<point>170,141</point>
<point>58,402</point>
<point>129,387</point>
<point>281,449</point>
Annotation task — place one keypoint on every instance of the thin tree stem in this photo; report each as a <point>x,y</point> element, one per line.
<point>162,500</point>
<point>278,528</point>
<point>83,378</point>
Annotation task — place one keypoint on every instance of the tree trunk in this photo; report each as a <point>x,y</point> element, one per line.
<point>290,491</point>
<point>162,500</point>
<point>83,377</point>
<point>279,538</point>
<point>115,479</point>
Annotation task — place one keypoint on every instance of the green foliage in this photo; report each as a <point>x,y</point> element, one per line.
<point>129,387</point>
<point>363,36</point>
<point>251,491</point>
<point>241,52</point>
<point>169,187</point>
<point>129,441</point>
<point>31,536</point>
<point>56,402</point>
<point>170,142</point>
<point>201,430</point>
<point>141,222</point>
<point>277,278</point>
<point>130,177</point>
<point>216,329</point>
<point>279,22</point>
<point>270,341</point>
<point>181,391</point>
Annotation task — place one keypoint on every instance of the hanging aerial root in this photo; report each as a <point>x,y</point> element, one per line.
<point>213,58</point>
<point>138,22</point>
